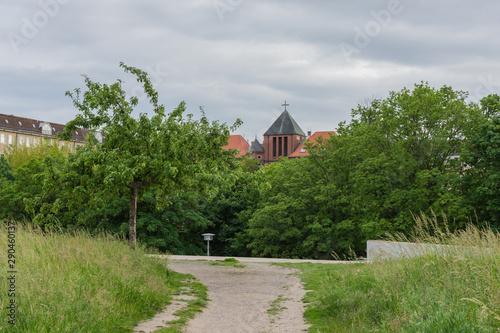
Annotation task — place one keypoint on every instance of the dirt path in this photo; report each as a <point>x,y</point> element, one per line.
<point>241,297</point>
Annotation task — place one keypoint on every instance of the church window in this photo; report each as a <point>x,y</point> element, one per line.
<point>274,147</point>
<point>286,146</point>
<point>280,146</point>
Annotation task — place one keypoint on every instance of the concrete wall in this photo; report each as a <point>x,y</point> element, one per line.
<point>382,250</point>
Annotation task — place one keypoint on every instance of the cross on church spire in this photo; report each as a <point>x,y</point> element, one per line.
<point>285,105</point>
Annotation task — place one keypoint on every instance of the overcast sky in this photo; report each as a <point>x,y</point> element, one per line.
<point>244,58</point>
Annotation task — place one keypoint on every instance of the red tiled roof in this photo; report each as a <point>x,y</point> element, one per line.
<point>301,150</point>
<point>237,142</point>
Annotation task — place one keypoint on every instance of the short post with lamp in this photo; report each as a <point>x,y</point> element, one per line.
<point>208,238</point>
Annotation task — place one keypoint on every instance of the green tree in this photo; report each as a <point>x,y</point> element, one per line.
<point>402,157</point>
<point>171,152</point>
<point>6,170</point>
<point>396,157</point>
<point>36,186</point>
<point>229,213</point>
<point>19,155</point>
<point>481,183</point>
<point>176,228</point>
<point>27,185</point>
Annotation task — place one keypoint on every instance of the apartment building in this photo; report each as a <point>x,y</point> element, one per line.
<point>19,131</point>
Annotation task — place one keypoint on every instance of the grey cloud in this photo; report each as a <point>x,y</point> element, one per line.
<point>247,63</point>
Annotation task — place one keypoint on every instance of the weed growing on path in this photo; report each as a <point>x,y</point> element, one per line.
<point>190,287</point>
<point>276,307</point>
<point>228,262</point>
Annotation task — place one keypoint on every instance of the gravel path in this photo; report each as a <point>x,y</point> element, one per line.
<point>241,297</point>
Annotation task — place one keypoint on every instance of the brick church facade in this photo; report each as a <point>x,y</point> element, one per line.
<point>284,138</point>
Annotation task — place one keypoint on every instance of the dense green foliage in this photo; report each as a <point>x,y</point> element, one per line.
<point>165,152</point>
<point>82,283</point>
<point>481,183</point>
<point>418,150</point>
<point>393,159</point>
<point>20,155</point>
<point>455,292</point>
<point>6,170</point>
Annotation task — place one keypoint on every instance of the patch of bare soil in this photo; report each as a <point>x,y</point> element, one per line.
<point>257,298</point>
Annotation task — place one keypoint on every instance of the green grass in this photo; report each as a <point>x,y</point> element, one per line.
<point>228,262</point>
<point>456,291</point>
<point>82,283</point>
<point>193,307</point>
<point>276,307</point>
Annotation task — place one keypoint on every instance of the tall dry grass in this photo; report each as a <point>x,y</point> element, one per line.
<point>453,287</point>
<point>81,283</point>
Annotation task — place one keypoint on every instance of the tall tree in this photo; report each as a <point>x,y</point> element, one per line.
<point>6,169</point>
<point>481,181</point>
<point>169,152</point>
<point>396,157</point>
<point>409,144</point>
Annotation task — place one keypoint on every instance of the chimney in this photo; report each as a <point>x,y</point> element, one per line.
<point>308,134</point>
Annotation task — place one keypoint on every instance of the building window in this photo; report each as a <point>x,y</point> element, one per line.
<point>280,146</point>
<point>37,141</point>
<point>46,129</point>
<point>11,139</point>
<point>286,145</point>
<point>274,147</point>
<point>2,138</point>
<point>21,140</point>
<point>303,150</point>
<point>28,142</point>
<point>98,136</point>
<point>46,141</point>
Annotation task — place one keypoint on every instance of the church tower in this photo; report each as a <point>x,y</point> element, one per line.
<point>282,138</point>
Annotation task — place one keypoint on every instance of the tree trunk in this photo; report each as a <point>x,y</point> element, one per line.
<point>132,217</point>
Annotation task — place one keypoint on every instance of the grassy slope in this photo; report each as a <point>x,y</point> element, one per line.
<point>82,284</point>
<point>455,292</point>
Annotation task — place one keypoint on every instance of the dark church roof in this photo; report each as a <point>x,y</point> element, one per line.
<point>256,147</point>
<point>284,125</point>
